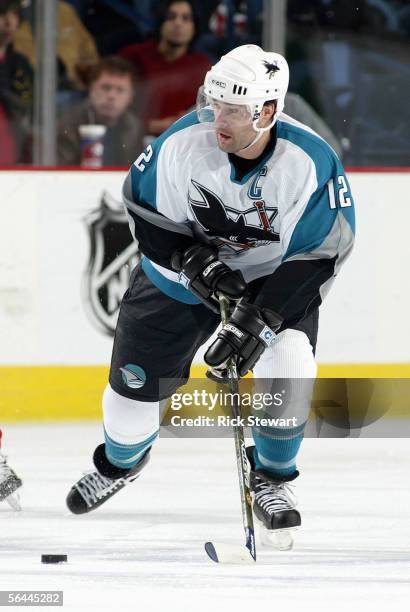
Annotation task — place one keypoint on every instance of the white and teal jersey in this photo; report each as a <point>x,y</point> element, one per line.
<point>295,205</point>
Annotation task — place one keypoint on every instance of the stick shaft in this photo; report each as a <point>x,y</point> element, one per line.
<point>239,438</point>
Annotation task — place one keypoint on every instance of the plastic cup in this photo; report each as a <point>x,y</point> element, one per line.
<point>92,145</point>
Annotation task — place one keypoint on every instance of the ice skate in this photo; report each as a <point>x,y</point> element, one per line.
<point>97,486</point>
<point>9,484</point>
<point>274,506</point>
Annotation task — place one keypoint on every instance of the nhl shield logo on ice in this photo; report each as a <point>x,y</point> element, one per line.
<point>113,254</point>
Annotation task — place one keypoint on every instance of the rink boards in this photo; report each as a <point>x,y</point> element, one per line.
<point>64,252</point>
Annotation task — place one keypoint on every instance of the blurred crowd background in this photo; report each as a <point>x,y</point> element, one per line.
<point>134,66</point>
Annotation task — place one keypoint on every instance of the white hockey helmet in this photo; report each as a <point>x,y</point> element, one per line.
<point>247,75</point>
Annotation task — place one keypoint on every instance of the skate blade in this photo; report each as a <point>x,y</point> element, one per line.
<point>14,502</point>
<point>276,539</point>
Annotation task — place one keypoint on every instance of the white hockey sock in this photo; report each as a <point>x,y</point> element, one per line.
<point>130,428</point>
<point>289,363</point>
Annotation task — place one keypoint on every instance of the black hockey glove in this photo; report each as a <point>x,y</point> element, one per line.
<point>246,335</point>
<point>201,271</point>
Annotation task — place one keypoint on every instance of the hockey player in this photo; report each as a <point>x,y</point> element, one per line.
<point>9,482</point>
<point>236,199</point>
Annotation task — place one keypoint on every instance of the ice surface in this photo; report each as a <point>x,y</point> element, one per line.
<point>143,550</point>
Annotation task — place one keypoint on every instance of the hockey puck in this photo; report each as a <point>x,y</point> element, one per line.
<point>53,558</point>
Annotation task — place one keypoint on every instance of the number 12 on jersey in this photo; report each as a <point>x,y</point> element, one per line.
<point>341,189</point>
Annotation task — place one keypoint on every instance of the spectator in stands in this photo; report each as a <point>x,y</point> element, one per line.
<point>111,92</point>
<point>233,23</point>
<point>16,86</point>
<point>76,49</point>
<point>115,24</point>
<point>8,153</point>
<point>169,72</point>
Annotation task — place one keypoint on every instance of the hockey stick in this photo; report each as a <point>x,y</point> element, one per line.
<point>225,553</point>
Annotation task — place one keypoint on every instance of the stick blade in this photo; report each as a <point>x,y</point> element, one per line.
<point>228,553</point>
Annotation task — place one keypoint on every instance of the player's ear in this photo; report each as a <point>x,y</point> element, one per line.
<point>269,109</point>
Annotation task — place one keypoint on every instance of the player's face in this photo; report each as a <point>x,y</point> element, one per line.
<point>233,125</point>
<point>178,27</point>
<point>110,95</point>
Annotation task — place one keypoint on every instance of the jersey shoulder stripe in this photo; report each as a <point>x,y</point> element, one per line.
<point>319,220</point>
<point>322,155</point>
<point>144,173</point>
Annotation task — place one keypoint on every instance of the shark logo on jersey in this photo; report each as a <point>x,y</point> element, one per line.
<point>241,229</point>
<point>270,68</point>
<point>113,253</point>
<point>133,376</point>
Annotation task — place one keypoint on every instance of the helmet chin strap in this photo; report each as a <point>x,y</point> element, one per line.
<point>259,131</point>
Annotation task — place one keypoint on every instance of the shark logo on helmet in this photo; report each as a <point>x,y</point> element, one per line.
<point>270,68</point>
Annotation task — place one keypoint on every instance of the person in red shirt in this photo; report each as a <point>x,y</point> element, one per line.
<point>8,155</point>
<point>16,87</point>
<point>170,73</point>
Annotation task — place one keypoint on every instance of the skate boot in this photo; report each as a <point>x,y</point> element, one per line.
<point>9,483</point>
<point>274,506</point>
<point>97,486</point>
